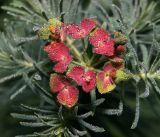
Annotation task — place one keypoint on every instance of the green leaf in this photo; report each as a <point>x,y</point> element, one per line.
<point>91,127</point>
<point>137,112</point>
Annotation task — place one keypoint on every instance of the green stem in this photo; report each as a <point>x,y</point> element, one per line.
<point>92,59</point>
<point>84,45</point>
<point>84,53</point>
<point>77,63</point>
<point>146,75</point>
<point>93,99</point>
<point>74,49</point>
<point>150,75</point>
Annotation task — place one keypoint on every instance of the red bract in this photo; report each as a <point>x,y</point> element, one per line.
<point>62,66</point>
<point>86,79</point>
<point>109,69</point>
<point>121,49</point>
<point>105,83</point>
<point>76,73</point>
<point>117,60</point>
<point>101,41</point>
<point>58,32</point>
<point>89,81</point>
<point>106,48</point>
<point>106,78</point>
<point>98,36</point>
<point>60,53</point>
<point>67,94</point>
<point>58,83</point>
<point>88,25</point>
<point>78,32</point>
<point>51,47</point>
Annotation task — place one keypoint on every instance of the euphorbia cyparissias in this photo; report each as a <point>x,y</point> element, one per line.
<point>72,71</point>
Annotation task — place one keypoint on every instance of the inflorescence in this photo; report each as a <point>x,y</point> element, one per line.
<point>71,69</point>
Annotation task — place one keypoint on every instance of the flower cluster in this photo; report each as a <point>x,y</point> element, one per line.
<point>70,72</point>
<point>59,52</point>
<point>102,43</point>
<point>86,79</point>
<point>67,93</point>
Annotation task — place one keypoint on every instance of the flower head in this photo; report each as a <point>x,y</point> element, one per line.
<point>106,48</point>
<point>101,41</point>
<point>110,70</point>
<point>118,62</point>
<point>58,33</point>
<point>60,53</point>
<point>62,66</point>
<point>54,30</point>
<point>87,25</point>
<point>67,93</point>
<point>76,73</point>
<point>121,49</point>
<point>57,83</point>
<point>105,83</point>
<point>98,36</point>
<point>68,96</point>
<point>52,47</point>
<point>86,79</point>
<point>78,32</point>
<point>112,73</point>
<point>119,38</point>
<point>89,81</point>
